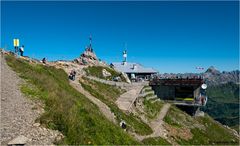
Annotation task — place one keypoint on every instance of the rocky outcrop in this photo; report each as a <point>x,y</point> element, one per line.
<point>88,57</point>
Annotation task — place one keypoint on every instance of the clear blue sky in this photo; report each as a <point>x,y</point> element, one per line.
<point>168,36</point>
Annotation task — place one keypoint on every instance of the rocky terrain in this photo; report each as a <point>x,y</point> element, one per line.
<point>215,77</point>
<point>19,113</point>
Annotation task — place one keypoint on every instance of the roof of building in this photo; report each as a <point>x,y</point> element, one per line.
<point>129,67</point>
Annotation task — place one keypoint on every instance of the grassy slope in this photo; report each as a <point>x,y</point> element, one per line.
<point>152,109</point>
<point>211,133</point>
<point>96,71</point>
<point>224,93</point>
<point>156,141</point>
<point>66,109</point>
<point>107,94</point>
<point>223,103</point>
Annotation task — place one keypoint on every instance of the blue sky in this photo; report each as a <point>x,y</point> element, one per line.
<point>168,36</point>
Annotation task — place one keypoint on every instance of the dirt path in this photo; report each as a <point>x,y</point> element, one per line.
<point>102,106</point>
<point>156,125</point>
<point>18,113</point>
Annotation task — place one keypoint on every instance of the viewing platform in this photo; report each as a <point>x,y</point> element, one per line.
<point>180,91</point>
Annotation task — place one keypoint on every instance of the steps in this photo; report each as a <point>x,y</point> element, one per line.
<point>151,97</point>
<point>148,94</point>
<point>147,88</point>
<point>155,100</point>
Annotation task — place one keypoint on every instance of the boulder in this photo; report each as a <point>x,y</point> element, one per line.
<point>20,140</point>
<point>106,73</point>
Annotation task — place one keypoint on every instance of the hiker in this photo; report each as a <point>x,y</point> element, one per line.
<point>123,124</point>
<point>72,75</point>
<point>21,50</point>
<point>135,103</point>
<point>202,100</point>
<point>44,60</point>
<point>16,50</point>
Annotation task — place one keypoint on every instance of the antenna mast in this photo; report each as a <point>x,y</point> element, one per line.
<point>90,41</point>
<point>125,54</point>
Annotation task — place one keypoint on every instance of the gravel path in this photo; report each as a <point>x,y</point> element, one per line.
<point>18,113</point>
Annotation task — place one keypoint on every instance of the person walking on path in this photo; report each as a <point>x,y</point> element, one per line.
<point>44,60</point>
<point>21,50</point>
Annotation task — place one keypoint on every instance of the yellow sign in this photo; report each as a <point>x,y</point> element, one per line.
<point>16,42</point>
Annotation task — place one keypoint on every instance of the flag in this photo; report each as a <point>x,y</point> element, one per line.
<point>200,68</point>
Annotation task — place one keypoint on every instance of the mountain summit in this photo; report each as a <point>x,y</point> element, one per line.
<point>213,70</point>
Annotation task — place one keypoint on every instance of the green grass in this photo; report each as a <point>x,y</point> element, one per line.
<point>224,93</point>
<point>96,71</point>
<point>171,122</point>
<point>110,92</point>
<point>236,127</point>
<point>145,86</point>
<point>156,141</point>
<point>177,118</point>
<point>148,90</point>
<point>96,89</point>
<point>223,103</point>
<point>32,91</point>
<point>66,109</point>
<point>210,133</point>
<point>213,134</point>
<point>152,109</point>
<point>149,95</point>
<point>168,119</point>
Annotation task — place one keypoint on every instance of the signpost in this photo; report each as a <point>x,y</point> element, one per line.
<point>16,42</point>
<point>16,45</point>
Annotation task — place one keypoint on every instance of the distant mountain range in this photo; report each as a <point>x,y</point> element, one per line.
<point>212,76</point>
<point>215,77</point>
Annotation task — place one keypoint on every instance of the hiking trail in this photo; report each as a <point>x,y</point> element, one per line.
<point>124,102</point>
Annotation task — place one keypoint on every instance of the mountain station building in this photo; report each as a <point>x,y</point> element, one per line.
<point>134,71</point>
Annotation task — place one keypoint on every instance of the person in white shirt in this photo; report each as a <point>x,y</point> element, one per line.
<point>21,50</point>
